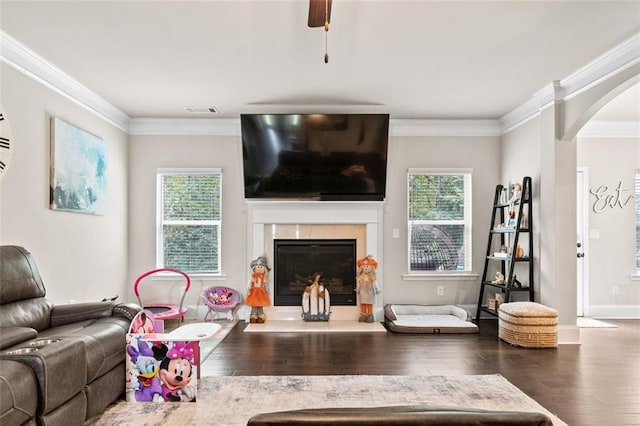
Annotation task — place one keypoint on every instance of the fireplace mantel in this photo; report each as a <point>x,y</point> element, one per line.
<point>262,214</point>
<point>282,211</point>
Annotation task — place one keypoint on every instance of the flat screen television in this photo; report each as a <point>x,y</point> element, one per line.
<point>315,156</point>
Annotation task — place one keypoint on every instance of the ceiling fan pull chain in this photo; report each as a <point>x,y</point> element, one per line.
<point>326,53</point>
<point>326,31</point>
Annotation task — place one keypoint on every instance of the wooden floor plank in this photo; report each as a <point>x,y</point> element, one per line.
<point>595,383</point>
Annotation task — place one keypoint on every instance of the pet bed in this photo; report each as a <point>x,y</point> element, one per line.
<point>438,319</point>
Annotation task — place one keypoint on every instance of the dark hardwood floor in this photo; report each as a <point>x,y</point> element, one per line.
<point>595,383</point>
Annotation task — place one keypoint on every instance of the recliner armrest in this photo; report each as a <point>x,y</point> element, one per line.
<point>76,312</point>
<point>10,336</point>
<point>126,310</point>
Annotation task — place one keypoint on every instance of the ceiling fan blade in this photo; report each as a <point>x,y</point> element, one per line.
<point>317,11</point>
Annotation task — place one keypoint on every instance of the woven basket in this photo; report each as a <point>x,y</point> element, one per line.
<point>528,324</point>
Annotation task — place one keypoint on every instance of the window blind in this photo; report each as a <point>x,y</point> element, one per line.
<point>439,221</point>
<point>189,221</point>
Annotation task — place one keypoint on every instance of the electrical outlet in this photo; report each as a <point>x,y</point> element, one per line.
<point>396,233</point>
<point>615,290</point>
<point>440,290</point>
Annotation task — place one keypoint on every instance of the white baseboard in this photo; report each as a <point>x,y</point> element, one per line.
<point>614,311</point>
<point>294,313</point>
<point>568,335</point>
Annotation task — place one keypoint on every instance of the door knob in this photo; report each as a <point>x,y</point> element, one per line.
<point>580,254</point>
<point>579,244</point>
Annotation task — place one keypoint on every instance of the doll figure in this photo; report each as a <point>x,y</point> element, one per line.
<point>366,287</point>
<point>516,193</point>
<point>257,296</point>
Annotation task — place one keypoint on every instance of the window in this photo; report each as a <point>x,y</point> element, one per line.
<point>439,221</point>
<point>189,220</point>
<point>637,195</point>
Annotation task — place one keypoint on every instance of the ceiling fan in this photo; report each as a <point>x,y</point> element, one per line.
<point>320,16</point>
<point>319,13</point>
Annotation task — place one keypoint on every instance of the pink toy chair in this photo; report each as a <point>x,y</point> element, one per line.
<point>220,299</point>
<point>164,311</point>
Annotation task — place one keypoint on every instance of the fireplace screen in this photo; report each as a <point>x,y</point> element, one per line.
<point>298,261</point>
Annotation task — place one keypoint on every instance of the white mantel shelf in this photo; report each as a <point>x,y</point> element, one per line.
<point>320,212</point>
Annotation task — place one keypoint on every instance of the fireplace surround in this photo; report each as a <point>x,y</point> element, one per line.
<point>299,220</point>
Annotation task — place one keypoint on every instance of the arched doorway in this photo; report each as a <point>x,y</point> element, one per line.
<point>608,156</point>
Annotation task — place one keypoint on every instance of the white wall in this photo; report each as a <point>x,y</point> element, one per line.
<point>520,154</point>
<point>482,154</point>
<point>536,149</point>
<point>147,154</point>
<point>533,149</point>
<point>80,256</point>
<point>611,259</point>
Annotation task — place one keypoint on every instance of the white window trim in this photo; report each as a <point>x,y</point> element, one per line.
<point>440,276</point>
<point>214,276</point>
<point>467,274</point>
<point>636,193</point>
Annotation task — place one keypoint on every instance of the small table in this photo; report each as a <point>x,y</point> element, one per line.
<point>193,332</point>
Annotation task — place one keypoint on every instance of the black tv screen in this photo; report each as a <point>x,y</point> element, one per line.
<point>315,156</point>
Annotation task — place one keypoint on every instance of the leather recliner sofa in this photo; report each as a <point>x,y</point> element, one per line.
<point>59,364</point>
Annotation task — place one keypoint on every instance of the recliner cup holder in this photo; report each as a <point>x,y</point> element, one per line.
<point>22,351</point>
<point>43,342</point>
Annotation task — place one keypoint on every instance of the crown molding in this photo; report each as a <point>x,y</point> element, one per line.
<point>425,127</point>
<point>185,126</point>
<point>610,129</point>
<point>615,61</point>
<point>530,109</point>
<point>231,127</point>
<point>26,61</point>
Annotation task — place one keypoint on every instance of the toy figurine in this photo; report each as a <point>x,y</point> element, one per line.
<point>516,192</point>
<point>366,287</point>
<point>258,297</point>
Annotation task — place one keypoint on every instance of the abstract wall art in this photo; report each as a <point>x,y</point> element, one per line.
<point>78,170</point>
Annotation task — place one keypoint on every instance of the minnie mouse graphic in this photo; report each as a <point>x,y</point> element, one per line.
<point>176,371</point>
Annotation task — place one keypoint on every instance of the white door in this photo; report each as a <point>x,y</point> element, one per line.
<point>582,239</point>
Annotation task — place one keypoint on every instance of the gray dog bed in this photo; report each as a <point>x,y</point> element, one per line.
<point>437,319</point>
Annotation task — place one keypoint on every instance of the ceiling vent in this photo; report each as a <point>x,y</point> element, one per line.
<point>201,110</point>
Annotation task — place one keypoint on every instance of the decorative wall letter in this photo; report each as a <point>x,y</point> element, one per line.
<point>604,200</point>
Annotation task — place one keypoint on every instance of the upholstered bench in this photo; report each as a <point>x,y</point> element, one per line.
<point>528,324</point>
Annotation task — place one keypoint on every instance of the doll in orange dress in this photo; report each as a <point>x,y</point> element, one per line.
<point>258,297</point>
<point>366,287</point>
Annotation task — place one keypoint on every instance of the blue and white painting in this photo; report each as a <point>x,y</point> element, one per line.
<point>78,170</point>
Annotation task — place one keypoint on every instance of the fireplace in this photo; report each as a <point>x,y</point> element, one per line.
<point>296,263</point>
<point>315,220</point>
